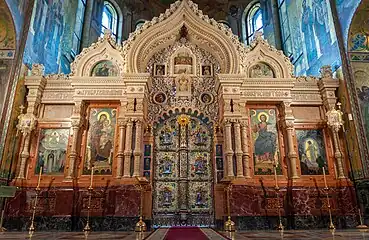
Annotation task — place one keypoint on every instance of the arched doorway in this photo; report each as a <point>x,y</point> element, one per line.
<point>183,172</point>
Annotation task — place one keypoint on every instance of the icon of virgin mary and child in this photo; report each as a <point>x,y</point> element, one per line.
<point>101,138</point>
<point>266,141</point>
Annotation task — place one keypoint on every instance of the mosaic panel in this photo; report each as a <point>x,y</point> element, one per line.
<point>105,69</point>
<point>100,140</point>
<point>200,196</point>
<point>199,137</point>
<point>311,151</point>
<point>264,137</point>
<point>52,150</point>
<point>199,165</point>
<point>166,196</point>
<point>167,136</point>
<point>166,167</point>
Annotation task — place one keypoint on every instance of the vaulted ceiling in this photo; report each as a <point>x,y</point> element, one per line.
<point>217,9</point>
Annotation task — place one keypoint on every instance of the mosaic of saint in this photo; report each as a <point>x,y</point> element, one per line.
<point>183,63</point>
<point>105,69</point>
<point>199,135</point>
<point>261,70</point>
<point>206,70</point>
<point>100,140</point>
<point>167,136</point>
<point>200,196</point>
<point>265,140</point>
<point>52,150</point>
<point>159,70</point>
<point>166,167</point>
<point>166,195</point>
<point>311,151</point>
<point>199,164</point>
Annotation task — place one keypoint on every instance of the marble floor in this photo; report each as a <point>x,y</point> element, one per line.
<point>243,235</point>
<point>303,234</point>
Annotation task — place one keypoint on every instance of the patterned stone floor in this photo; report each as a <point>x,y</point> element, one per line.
<point>304,234</point>
<point>257,235</point>
<point>70,235</point>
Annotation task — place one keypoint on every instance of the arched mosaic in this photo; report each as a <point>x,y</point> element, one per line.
<point>105,68</point>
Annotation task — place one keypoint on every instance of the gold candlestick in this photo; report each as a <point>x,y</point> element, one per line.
<point>229,225</point>
<point>280,226</point>
<point>87,228</point>
<point>362,226</point>
<point>31,229</point>
<point>331,225</point>
<point>140,227</point>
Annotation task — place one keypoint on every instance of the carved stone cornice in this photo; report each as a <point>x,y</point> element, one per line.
<point>327,88</point>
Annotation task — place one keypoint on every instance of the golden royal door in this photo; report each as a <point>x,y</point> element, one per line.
<point>183,178</point>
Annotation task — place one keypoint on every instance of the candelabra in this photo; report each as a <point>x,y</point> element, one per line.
<point>31,229</point>
<point>280,226</point>
<point>229,225</point>
<point>331,225</point>
<point>141,225</point>
<point>87,227</point>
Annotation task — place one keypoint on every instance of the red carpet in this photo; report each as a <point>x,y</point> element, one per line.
<point>185,233</point>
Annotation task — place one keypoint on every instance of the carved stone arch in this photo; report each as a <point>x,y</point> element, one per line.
<point>195,112</point>
<point>164,30</point>
<point>104,49</point>
<point>262,52</point>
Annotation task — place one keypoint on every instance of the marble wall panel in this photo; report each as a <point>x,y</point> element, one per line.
<point>122,201</point>
<point>307,201</point>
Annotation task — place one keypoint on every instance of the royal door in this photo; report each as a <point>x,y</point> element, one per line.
<point>183,179</point>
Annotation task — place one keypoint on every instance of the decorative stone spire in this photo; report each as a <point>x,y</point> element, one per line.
<point>37,69</point>
<point>326,71</point>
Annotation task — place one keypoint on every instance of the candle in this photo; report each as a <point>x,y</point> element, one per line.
<point>92,175</point>
<point>325,180</point>
<point>40,173</point>
<point>275,176</point>
<point>39,177</point>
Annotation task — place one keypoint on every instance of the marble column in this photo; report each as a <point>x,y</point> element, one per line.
<point>245,149</point>
<point>76,124</point>
<point>337,153</point>
<point>128,150</point>
<point>120,155</point>
<point>238,148</point>
<point>229,150</point>
<point>292,155</point>
<point>137,151</point>
<point>289,123</point>
<point>24,155</point>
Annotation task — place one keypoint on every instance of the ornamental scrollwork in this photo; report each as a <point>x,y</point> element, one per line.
<point>334,118</point>
<point>37,69</point>
<point>326,71</point>
<point>183,91</point>
<point>26,123</point>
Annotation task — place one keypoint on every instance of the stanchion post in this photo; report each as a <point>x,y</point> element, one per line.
<point>31,229</point>
<point>90,189</point>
